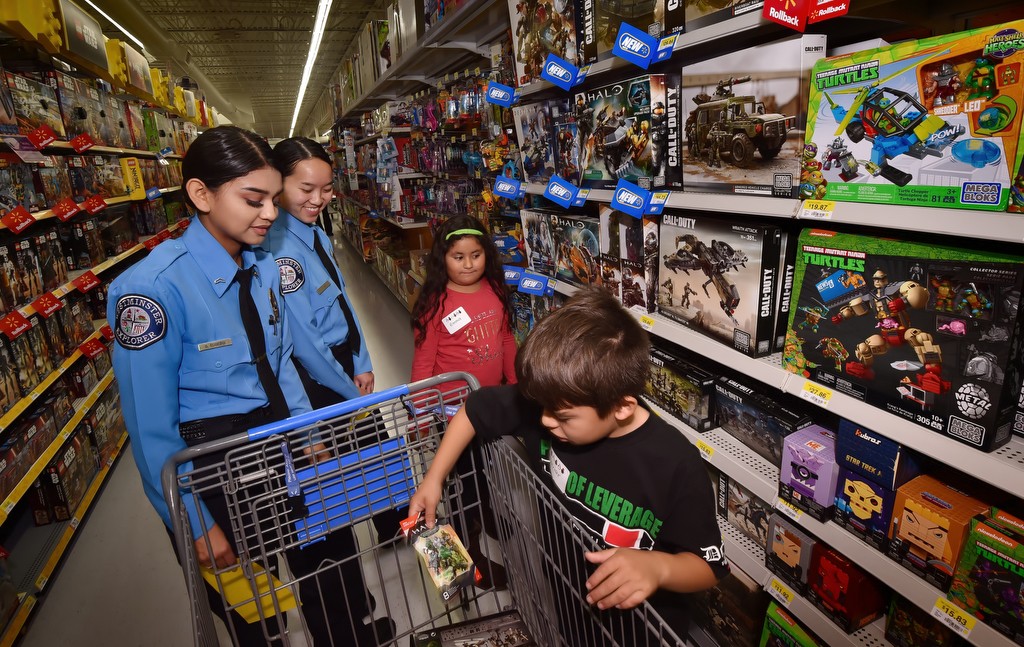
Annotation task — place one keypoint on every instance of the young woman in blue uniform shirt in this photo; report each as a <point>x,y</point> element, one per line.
<point>204,347</point>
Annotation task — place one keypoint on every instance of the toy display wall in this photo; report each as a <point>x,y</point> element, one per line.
<point>758,161</point>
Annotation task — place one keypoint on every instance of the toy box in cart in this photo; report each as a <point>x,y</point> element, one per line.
<point>933,122</point>
<point>504,629</point>
<point>917,330</point>
<point>705,259</point>
<point>626,132</point>
<point>744,132</point>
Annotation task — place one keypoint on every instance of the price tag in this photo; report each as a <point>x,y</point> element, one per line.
<point>41,582</point>
<point>474,132</point>
<point>453,139</point>
<point>86,282</point>
<point>463,136</point>
<point>82,143</point>
<point>647,323</point>
<point>817,209</point>
<point>446,77</point>
<point>65,209</point>
<point>780,592</point>
<point>42,137</point>
<point>706,450</point>
<point>953,617</point>
<point>788,509</point>
<point>816,393</point>
<point>14,324</point>
<point>455,76</point>
<point>74,522</point>
<point>164,234</point>
<point>476,72</point>
<point>107,332</point>
<point>92,348</point>
<point>47,304</point>
<point>94,204</point>
<point>18,219</point>
<point>8,506</point>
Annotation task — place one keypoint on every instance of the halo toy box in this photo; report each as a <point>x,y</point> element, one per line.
<point>708,258</point>
<point>732,612</point>
<point>577,247</point>
<point>701,13</point>
<point>627,130</point>
<point>629,254</point>
<point>872,468</point>
<point>789,552</point>
<point>505,629</point>
<point>610,258</point>
<point>35,104</point>
<point>929,527</point>
<point>757,418</point>
<point>742,132</point>
<point>540,243</point>
<point>542,27</point>
<point>809,471</point>
<point>989,578</point>
<point>744,510</point>
<point>908,625</point>
<point>910,328</point>
<point>849,597</point>
<point>681,387</point>
<point>934,122</point>
<point>534,131</point>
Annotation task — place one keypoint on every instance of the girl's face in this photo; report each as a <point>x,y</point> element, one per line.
<point>307,190</point>
<point>465,262</point>
<point>241,211</point>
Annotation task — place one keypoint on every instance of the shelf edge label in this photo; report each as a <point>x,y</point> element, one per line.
<point>951,615</point>
<point>816,394</point>
<point>779,591</point>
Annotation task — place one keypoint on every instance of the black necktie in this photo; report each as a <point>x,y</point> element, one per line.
<point>258,344</point>
<point>353,332</point>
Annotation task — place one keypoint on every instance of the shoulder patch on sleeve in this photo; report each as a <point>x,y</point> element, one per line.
<point>141,322</point>
<point>292,276</point>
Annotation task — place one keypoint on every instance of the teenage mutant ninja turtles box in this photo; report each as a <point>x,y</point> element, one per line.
<point>718,276</point>
<point>933,122</point>
<point>918,330</point>
<point>743,130</point>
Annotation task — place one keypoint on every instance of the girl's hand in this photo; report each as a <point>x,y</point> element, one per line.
<point>223,555</point>
<point>318,452</point>
<point>364,382</point>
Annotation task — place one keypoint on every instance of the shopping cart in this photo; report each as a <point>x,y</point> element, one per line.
<point>290,484</point>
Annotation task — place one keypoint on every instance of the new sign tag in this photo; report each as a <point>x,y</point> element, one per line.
<point>535,284</point>
<point>507,187</point>
<point>631,199</point>
<point>502,95</point>
<point>561,192</point>
<point>513,274</point>
<point>639,48</point>
<point>562,73</point>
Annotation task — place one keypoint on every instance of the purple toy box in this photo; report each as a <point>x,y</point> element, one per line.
<point>809,471</point>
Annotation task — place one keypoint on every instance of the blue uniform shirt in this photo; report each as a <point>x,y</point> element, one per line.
<point>182,353</point>
<point>312,302</point>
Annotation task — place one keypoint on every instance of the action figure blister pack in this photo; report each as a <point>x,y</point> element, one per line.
<point>443,555</point>
<point>705,259</point>
<point>919,330</point>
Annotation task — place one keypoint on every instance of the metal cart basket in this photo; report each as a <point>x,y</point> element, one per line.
<point>289,485</point>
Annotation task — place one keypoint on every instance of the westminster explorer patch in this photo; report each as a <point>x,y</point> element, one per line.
<point>140,322</point>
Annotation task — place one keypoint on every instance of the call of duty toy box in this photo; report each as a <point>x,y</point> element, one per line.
<point>743,133</point>
<point>577,247</point>
<point>628,130</point>
<point>789,552</point>
<point>919,330</point>
<point>872,467</point>
<point>757,417</point>
<point>700,13</point>
<point>505,629</point>
<point>732,612</point>
<point>809,471</point>
<point>930,524</point>
<point>681,387</point>
<point>743,509</point>
<point>715,258</point>
<point>934,122</point>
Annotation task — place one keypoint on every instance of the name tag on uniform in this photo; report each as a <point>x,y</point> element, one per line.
<point>320,290</point>
<point>456,320</point>
<point>210,345</point>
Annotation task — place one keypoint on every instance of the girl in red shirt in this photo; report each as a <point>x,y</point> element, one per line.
<point>462,322</point>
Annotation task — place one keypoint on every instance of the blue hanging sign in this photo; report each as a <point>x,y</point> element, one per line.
<point>562,73</point>
<point>535,284</point>
<point>513,274</point>
<point>639,48</point>
<point>508,187</point>
<point>561,192</point>
<point>502,95</point>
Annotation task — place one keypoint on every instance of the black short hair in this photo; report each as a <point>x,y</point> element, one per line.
<point>223,154</point>
<point>293,150</point>
<point>590,352</point>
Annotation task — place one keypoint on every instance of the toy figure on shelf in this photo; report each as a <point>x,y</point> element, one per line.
<point>831,583</point>
<point>925,531</point>
<point>785,554</point>
<point>973,303</point>
<point>944,293</point>
<point>812,317</point>
<point>981,82</point>
<point>805,472</point>
<point>863,502</point>
<point>942,84</point>
<point>834,153</point>
<point>833,349</point>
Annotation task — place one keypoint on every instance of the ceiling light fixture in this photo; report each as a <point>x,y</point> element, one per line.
<point>319,25</point>
<point>118,26</point>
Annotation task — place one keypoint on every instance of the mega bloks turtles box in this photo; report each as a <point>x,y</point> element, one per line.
<point>933,122</point>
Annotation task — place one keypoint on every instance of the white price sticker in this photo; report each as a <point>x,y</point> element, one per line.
<point>953,617</point>
<point>41,582</point>
<point>817,209</point>
<point>8,506</point>
<point>788,509</point>
<point>647,323</point>
<point>74,522</point>
<point>706,450</point>
<point>780,592</point>
<point>816,394</point>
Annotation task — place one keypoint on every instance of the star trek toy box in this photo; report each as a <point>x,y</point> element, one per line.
<point>789,552</point>
<point>756,417</point>
<point>809,471</point>
<point>628,130</point>
<point>681,387</point>
<point>918,330</point>
<point>933,122</point>
<point>709,258</point>
<point>930,523</point>
<point>743,133</point>
<point>872,467</point>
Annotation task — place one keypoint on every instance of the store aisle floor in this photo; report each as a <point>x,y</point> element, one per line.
<point>120,585</point>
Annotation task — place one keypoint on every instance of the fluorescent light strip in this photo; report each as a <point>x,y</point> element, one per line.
<point>319,25</point>
<point>115,24</point>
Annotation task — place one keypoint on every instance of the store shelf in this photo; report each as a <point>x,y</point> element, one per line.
<point>171,189</point>
<point>17,623</point>
<point>402,300</point>
<point>403,225</point>
<point>351,200</point>
<point>717,202</point>
<point>81,407</point>
<point>734,459</point>
<point>394,130</point>
<point>66,147</point>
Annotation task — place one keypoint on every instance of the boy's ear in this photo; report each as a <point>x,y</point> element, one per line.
<point>625,408</point>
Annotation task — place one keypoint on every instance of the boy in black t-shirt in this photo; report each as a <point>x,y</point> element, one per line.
<point>622,473</point>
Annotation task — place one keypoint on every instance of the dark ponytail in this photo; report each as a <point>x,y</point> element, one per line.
<point>289,152</point>
<point>223,154</point>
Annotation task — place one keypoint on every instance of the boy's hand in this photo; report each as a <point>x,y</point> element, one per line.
<point>425,501</point>
<point>625,578</point>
